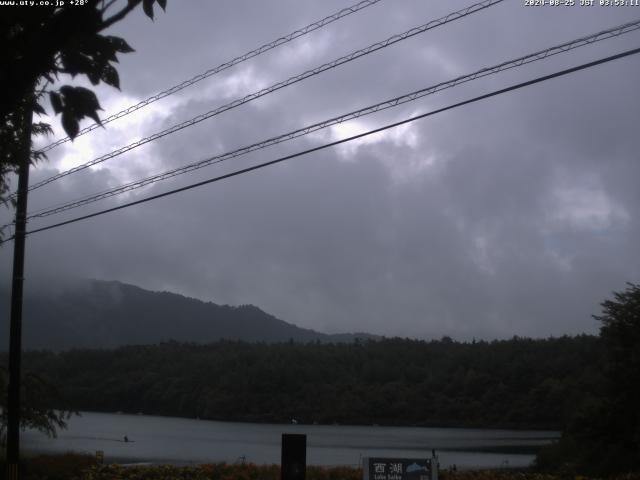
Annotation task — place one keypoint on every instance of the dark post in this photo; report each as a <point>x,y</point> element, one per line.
<point>293,465</point>
<point>15,329</point>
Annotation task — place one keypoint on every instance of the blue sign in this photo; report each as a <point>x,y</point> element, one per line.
<point>397,469</point>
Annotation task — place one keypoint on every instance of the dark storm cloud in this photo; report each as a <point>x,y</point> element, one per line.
<point>514,216</point>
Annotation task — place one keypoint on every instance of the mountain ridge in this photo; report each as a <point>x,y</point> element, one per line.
<point>108,314</point>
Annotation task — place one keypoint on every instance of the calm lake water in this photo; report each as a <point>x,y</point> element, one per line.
<point>185,441</point>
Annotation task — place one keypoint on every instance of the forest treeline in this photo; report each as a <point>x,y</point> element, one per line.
<point>510,383</point>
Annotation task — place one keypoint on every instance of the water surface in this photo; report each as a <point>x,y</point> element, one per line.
<point>186,441</point>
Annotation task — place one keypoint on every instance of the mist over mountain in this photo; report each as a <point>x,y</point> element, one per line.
<point>107,314</point>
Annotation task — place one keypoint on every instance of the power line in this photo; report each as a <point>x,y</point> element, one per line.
<point>223,66</point>
<point>294,79</point>
<point>409,97</point>
<point>338,142</point>
<point>277,86</point>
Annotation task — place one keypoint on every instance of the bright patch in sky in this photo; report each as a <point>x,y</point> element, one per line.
<point>445,66</point>
<point>243,81</point>
<point>116,134</point>
<point>305,48</point>
<point>482,254</point>
<point>400,136</point>
<point>586,207</point>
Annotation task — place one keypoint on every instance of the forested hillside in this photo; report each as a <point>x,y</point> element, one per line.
<point>514,383</point>
<point>100,314</point>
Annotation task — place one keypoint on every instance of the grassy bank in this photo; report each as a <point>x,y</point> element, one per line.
<point>73,466</point>
<point>82,467</point>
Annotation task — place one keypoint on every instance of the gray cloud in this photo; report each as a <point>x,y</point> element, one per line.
<point>517,215</point>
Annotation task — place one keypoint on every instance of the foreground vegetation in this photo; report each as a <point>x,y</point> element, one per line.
<point>603,434</point>
<point>82,467</point>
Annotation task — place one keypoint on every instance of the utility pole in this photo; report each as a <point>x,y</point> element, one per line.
<point>15,329</point>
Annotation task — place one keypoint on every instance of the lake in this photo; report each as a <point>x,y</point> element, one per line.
<point>186,441</point>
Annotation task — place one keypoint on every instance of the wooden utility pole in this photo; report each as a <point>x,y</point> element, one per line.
<point>15,329</point>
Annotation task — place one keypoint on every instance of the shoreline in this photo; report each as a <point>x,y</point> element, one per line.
<point>554,432</point>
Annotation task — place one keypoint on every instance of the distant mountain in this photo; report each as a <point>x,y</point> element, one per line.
<point>101,314</point>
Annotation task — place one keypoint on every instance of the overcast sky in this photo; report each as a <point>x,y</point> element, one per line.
<point>514,216</point>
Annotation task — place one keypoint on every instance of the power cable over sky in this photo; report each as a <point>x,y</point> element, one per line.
<point>344,140</point>
<point>394,39</point>
<point>223,66</point>
<point>409,97</point>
